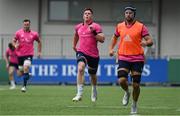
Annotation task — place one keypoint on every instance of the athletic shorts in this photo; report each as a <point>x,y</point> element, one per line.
<point>131,66</point>
<point>15,65</point>
<point>23,58</point>
<point>88,60</point>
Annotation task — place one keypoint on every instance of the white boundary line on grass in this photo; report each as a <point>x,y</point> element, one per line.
<point>162,107</point>
<point>121,107</point>
<point>77,106</point>
<point>7,89</point>
<point>106,107</point>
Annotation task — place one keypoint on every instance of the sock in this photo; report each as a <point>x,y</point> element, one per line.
<point>93,88</point>
<point>127,91</point>
<point>25,78</point>
<point>12,83</point>
<point>134,103</point>
<point>80,89</point>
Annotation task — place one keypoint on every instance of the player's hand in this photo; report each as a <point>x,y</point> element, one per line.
<point>16,45</point>
<point>143,43</point>
<point>111,53</point>
<point>75,49</point>
<point>39,55</point>
<point>7,66</point>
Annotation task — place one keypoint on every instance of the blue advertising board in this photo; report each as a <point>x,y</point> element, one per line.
<point>155,70</point>
<point>55,71</point>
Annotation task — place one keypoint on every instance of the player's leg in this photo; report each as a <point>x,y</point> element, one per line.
<point>23,69</point>
<point>11,77</point>
<point>26,67</point>
<point>136,79</point>
<point>19,73</point>
<point>123,71</point>
<point>20,66</point>
<point>81,60</point>
<point>93,78</point>
<point>135,92</point>
<point>92,70</point>
<point>20,70</point>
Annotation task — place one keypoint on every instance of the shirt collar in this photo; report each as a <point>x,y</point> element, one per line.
<point>89,23</point>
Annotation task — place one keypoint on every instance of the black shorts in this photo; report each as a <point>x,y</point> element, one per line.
<point>23,58</point>
<point>131,66</point>
<point>88,60</point>
<point>15,65</point>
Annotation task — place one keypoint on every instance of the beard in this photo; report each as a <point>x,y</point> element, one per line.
<point>129,19</point>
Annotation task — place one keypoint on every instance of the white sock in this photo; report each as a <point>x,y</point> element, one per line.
<point>93,88</point>
<point>80,89</point>
<point>134,103</point>
<point>127,91</point>
<point>12,83</point>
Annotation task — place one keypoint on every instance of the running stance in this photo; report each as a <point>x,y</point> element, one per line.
<point>88,33</point>
<point>133,37</point>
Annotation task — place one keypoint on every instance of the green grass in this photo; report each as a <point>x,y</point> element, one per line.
<point>56,100</point>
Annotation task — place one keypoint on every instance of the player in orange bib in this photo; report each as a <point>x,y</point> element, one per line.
<point>133,37</point>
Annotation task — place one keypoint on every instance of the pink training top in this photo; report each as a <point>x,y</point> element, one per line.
<point>12,56</point>
<point>26,42</point>
<point>133,58</point>
<point>87,40</point>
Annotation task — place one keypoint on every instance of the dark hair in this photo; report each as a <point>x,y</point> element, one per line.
<point>11,46</point>
<point>89,10</point>
<point>27,20</point>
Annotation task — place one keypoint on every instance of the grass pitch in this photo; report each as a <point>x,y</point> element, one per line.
<point>57,100</point>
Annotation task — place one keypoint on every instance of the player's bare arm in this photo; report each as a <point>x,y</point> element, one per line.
<point>6,57</point>
<point>75,41</point>
<point>147,41</point>
<point>15,42</point>
<point>39,47</point>
<point>100,37</point>
<point>112,45</point>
